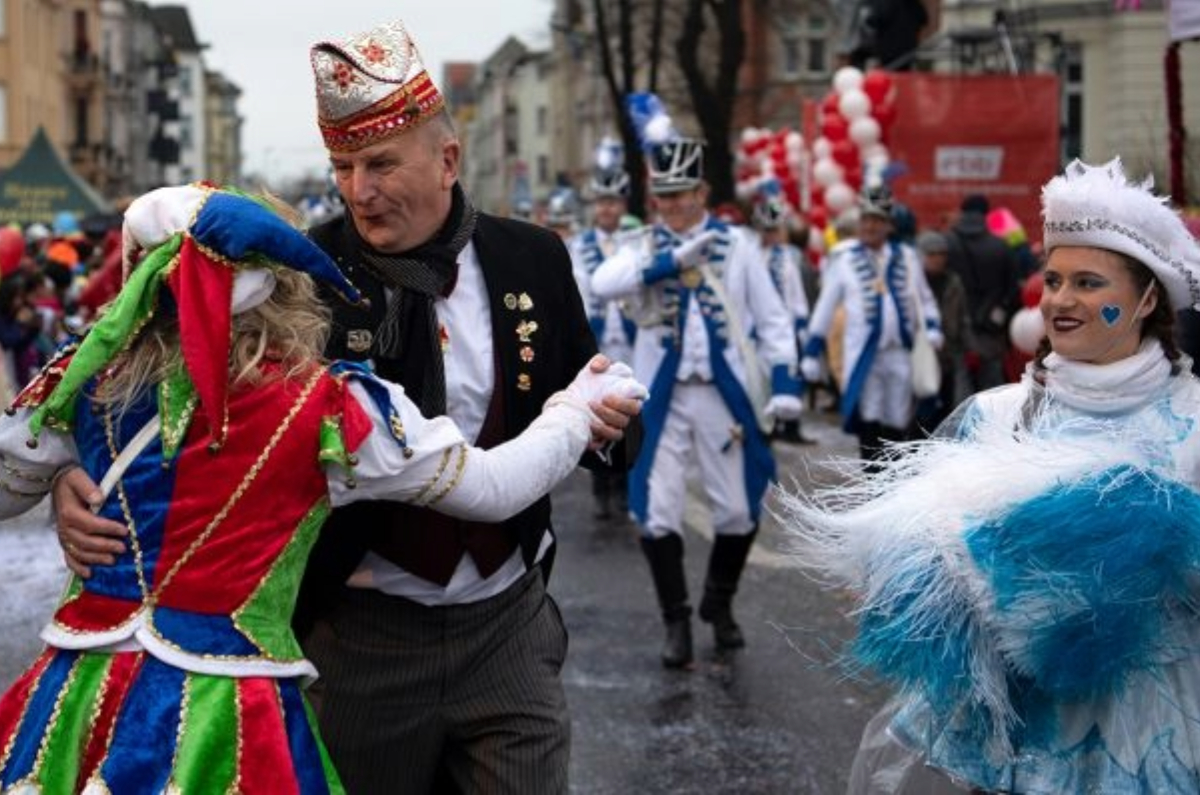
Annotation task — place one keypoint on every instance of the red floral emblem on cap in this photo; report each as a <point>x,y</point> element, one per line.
<point>374,52</point>
<point>343,75</point>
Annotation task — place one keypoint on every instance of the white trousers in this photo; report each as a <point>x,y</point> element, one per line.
<point>701,432</point>
<point>887,393</point>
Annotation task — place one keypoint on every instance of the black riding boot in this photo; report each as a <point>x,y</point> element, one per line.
<point>724,571</point>
<point>665,556</point>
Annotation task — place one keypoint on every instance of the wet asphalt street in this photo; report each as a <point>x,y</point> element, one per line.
<point>776,717</point>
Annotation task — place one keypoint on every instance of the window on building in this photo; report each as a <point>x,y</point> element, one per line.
<point>81,121</point>
<point>543,116</point>
<point>791,56</point>
<point>1071,112</point>
<point>3,18</point>
<point>3,106</point>
<point>804,46</point>
<point>816,44</point>
<point>543,170</point>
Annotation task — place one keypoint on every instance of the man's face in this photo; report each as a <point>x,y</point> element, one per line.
<point>607,212</point>
<point>873,230</point>
<point>398,190</point>
<point>681,210</point>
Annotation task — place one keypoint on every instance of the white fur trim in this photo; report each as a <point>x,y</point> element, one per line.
<point>251,287</point>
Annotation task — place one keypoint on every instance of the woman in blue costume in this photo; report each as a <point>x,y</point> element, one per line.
<point>1029,579</point>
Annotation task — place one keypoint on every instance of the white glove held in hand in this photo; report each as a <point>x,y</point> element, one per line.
<point>617,380</point>
<point>692,253</point>
<point>784,407</point>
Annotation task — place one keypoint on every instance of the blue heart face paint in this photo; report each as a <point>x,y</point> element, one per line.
<point>1111,313</point>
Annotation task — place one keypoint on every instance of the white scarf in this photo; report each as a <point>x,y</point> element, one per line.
<point>1109,388</point>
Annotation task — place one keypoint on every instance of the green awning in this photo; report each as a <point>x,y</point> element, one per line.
<point>40,185</point>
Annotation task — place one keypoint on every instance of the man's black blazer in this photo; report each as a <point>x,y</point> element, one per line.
<point>541,337</point>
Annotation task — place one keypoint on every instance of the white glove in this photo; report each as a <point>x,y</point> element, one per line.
<point>617,380</point>
<point>784,407</point>
<point>691,253</point>
<point>810,369</point>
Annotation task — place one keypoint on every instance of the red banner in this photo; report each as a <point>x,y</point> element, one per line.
<point>996,135</point>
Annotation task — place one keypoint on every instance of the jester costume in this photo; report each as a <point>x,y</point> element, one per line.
<point>1028,584</point>
<point>175,669</point>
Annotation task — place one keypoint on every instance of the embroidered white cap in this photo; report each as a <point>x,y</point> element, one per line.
<point>1097,206</point>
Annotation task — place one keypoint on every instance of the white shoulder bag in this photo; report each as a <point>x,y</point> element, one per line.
<point>926,372</point>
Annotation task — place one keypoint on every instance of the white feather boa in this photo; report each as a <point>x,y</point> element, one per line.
<point>899,539</point>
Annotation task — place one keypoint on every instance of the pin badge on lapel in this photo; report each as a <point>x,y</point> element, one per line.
<point>524,302</point>
<point>359,340</point>
<point>526,354</point>
<point>524,383</point>
<point>525,330</point>
<point>510,301</point>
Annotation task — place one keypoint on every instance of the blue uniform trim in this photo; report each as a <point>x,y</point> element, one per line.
<point>663,266</point>
<point>784,381</point>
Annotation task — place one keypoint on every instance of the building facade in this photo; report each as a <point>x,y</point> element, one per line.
<point>121,90</point>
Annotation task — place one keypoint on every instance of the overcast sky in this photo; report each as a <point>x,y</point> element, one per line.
<point>262,46</point>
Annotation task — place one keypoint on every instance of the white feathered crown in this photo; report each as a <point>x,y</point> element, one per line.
<point>1098,206</point>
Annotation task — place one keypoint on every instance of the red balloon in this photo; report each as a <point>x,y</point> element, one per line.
<point>792,191</point>
<point>877,84</point>
<point>854,177</point>
<point>818,216</point>
<point>12,248</point>
<point>834,127</point>
<point>845,153</point>
<point>884,113</point>
<point>1031,292</point>
<point>830,103</point>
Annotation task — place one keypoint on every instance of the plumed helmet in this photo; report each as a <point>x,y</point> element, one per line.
<point>612,183</point>
<point>676,165</point>
<point>770,212</point>
<point>877,201</point>
<point>560,208</point>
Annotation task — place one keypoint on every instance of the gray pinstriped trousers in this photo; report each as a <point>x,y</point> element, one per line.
<point>471,689</point>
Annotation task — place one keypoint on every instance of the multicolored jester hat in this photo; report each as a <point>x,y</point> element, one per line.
<point>213,249</point>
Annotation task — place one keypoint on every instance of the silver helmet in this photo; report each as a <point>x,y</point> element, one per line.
<point>676,165</point>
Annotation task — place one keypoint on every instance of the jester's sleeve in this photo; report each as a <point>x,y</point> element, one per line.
<point>27,467</point>
<point>26,473</point>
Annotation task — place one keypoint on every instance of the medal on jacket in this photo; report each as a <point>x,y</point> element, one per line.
<point>691,278</point>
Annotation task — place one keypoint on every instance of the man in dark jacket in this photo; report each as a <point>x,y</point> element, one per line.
<point>989,273</point>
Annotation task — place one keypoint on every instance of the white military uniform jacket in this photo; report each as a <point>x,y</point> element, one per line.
<point>702,327</point>
<point>881,292</point>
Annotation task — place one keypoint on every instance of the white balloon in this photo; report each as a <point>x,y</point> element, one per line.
<point>793,142</point>
<point>827,172</point>
<point>865,131</point>
<point>745,189</point>
<point>795,160</point>
<point>749,135</point>
<point>822,148</point>
<point>816,240</point>
<point>854,104</point>
<point>839,197</point>
<point>875,152</point>
<point>1026,330</point>
<point>848,78</point>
